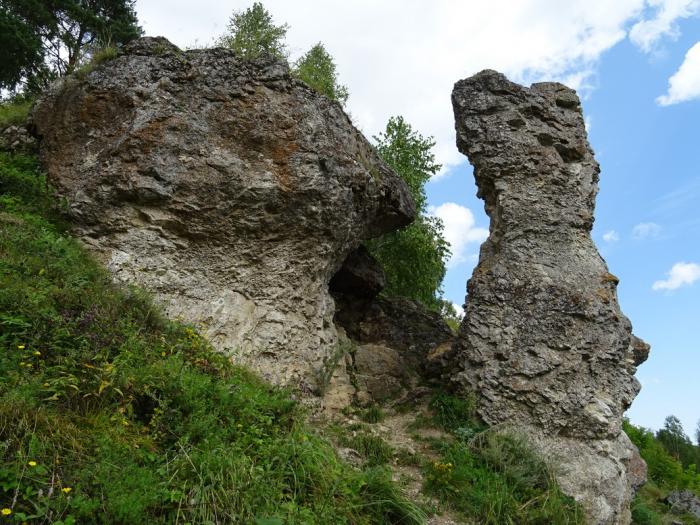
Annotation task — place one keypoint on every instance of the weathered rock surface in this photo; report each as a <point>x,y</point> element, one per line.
<point>543,342</point>
<point>391,339</point>
<point>228,188</point>
<point>17,139</point>
<point>684,501</point>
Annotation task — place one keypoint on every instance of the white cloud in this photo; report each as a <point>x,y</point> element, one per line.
<point>646,33</point>
<point>460,229</point>
<point>681,274</point>
<point>684,84</point>
<point>402,57</point>
<point>646,230</point>
<point>611,236</point>
<point>459,310</point>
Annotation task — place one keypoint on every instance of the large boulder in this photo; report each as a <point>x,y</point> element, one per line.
<point>544,344</point>
<point>228,188</point>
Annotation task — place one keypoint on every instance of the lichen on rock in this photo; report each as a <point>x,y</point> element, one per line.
<point>544,344</point>
<point>227,187</point>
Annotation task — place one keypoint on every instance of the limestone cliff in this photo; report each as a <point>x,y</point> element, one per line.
<point>543,343</point>
<point>228,188</point>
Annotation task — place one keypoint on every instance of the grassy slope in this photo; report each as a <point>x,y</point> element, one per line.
<point>111,414</point>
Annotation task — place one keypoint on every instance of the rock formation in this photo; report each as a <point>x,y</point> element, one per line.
<point>391,339</point>
<point>543,343</point>
<point>228,188</point>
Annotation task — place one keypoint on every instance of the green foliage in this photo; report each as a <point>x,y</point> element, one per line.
<point>642,514</point>
<point>21,54</point>
<point>373,449</point>
<point>489,476</point>
<point>662,452</point>
<point>54,38</point>
<point>414,258</point>
<point>14,112</point>
<point>453,413</point>
<point>252,33</point>
<point>110,413</point>
<point>372,414</point>
<point>318,70</point>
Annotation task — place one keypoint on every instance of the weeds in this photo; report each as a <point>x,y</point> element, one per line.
<point>14,112</point>
<point>492,477</point>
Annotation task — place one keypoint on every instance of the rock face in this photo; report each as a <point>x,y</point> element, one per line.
<point>228,188</point>
<point>543,342</point>
<point>391,339</point>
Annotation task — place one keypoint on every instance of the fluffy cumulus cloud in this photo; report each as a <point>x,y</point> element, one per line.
<point>684,85</point>
<point>402,57</point>
<point>646,230</point>
<point>646,33</point>
<point>460,230</point>
<point>681,274</point>
<point>611,236</point>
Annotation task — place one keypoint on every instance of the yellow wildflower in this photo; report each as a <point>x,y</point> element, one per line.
<point>21,347</point>
<point>36,352</point>
<point>46,385</point>
<point>163,354</point>
<point>66,490</point>
<point>6,512</point>
<point>32,463</point>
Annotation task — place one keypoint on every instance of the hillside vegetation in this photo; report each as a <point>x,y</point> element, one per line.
<point>111,414</point>
<point>672,462</point>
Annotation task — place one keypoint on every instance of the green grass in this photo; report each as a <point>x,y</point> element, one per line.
<point>14,113</point>
<point>100,56</point>
<point>373,449</point>
<point>372,414</point>
<point>109,413</point>
<point>491,477</point>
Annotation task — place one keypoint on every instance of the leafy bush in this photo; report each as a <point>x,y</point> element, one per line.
<point>110,413</point>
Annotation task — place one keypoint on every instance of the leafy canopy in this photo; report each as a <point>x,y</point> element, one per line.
<point>318,70</point>
<point>47,39</point>
<point>413,258</point>
<point>252,33</point>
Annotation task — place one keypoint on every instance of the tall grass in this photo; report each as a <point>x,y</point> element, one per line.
<point>493,477</point>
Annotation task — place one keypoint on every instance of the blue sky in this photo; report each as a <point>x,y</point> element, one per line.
<point>401,57</point>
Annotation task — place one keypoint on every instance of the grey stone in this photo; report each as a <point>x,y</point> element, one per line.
<point>684,501</point>
<point>544,344</point>
<point>231,190</point>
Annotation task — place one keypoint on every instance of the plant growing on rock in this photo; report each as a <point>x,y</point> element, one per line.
<point>318,70</point>
<point>252,33</point>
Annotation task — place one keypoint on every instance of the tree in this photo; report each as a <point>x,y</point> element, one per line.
<point>20,50</point>
<point>54,37</point>
<point>413,258</point>
<point>252,33</point>
<point>318,70</point>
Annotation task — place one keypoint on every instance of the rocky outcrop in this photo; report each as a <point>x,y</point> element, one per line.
<point>684,502</point>
<point>543,343</point>
<point>228,188</point>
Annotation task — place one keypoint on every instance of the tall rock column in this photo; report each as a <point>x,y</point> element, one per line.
<point>544,344</point>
